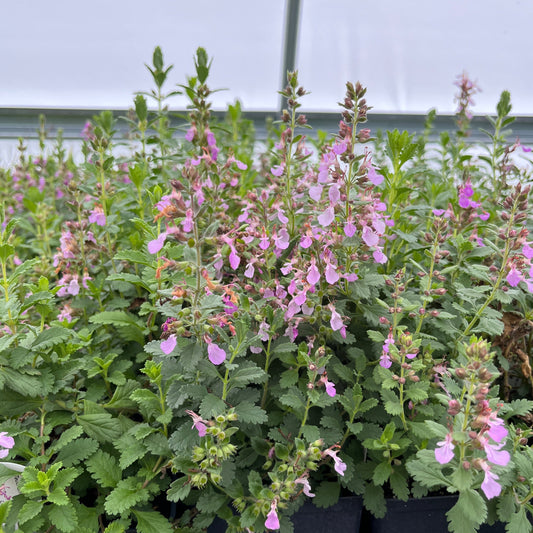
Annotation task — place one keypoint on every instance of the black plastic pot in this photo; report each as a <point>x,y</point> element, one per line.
<point>426,514</point>
<point>343,517</point>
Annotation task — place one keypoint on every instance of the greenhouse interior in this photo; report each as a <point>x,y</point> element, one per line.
<point>266,266</point>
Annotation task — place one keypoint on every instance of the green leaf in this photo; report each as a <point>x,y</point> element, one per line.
<point>468,513</point>
<point>212,406</point>
<point>326,494</point>
<point>64,517</point>
<point>58,497</point>
<point>382,473</point>
<point>30,509</point>
<point>131,327</point>
<point>77,451</point>
<point>399,485</point>
<point>250,413</point>
<point>179,489</point>
<point>130,450</point>
<point>374,500</point>
<point>100,426</point>
<point>519,522</point>
<point>125,495</point>
<point>65,477</point>
<point>210,501</point>
<point>104,469</point>
<point>255,484</point>
<point>51,337</point>
<point>67,436</point>
<point>152,522</point>
<point>121,396</point>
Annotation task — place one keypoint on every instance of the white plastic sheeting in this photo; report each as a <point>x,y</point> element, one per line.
<point>70,54</point>
<point>64,53</point>
<point>409,52</point>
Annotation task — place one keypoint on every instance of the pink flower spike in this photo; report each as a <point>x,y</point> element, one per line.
<point>97,216</point>
<point>167,346</point>
<point>327,217</point>
<point>272,520</point>
<point>216,354</point>
<point>156,245</point>
<point>490,485</point>
<point>444,454</point>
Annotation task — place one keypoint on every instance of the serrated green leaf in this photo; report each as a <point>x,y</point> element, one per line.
<point>77,451</point>
<point>125,495</point>
<point>179,490</point>
<point>519,522</point>
<point>326,494</point>
<point>130,450</point>
<point>374,500</point>
<point>64,517</point>
<point>152,522</point>
<point>51,337</point>
<point>67,436</point>
<point>58,497</point>
<point>250,413</point>
<point>100,426</point>
<point>65,477</point>
<point>468,513</point>
<point>212,406</point>
<point>211,501</point>
<point>382,473</point>
<point>104,469</point>
<point>30,509</point>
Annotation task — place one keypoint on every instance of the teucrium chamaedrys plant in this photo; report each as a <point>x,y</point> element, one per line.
<point>233,331</point>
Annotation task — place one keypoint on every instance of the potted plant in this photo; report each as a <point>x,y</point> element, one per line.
<point>244,337</point>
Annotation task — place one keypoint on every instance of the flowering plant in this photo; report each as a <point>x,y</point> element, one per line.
<point>240,330</point>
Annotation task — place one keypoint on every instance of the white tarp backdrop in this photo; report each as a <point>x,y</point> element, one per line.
<point>69,54</point>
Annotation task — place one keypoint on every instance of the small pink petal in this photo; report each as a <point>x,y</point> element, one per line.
<point>167,346</point>
<point>216,354</point>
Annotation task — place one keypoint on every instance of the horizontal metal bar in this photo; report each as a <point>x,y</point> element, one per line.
<point>24,123</point>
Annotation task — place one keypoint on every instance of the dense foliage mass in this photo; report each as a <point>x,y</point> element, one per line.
<point>235,327</point>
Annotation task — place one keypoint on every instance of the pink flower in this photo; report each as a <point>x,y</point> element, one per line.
<point>315,192</point>
<point>313,275</point>
<point>336,322</point>
<point>306,242</point>
<point>234,259</point>
<point>167,346</point>
<point>514,277</point>
<point>349,228</point>
<point>327,217</point>
<point>340,466</point>
<point>330,389</point>
<point>373,176</point>
<point>495,455</point>
<point>278,171</point>
<point>497,430</point>
<point>198,423</point>
<point>282,240</point>
<point>187,222</point>
<point>272,520</point>
<point>7,443</point>
<point>302,480</point>
<point>331,274</point>
<point>370,238</point>
<point>97,216</point>
<point>216,354</point>
<point>379,256</point>
<point>156,245</point>
<point>490,485</point>
<point>444,454</point>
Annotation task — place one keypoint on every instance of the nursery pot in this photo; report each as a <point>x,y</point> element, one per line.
<point>425,514</point>
<point>344,516</point>
<point>9,488</point>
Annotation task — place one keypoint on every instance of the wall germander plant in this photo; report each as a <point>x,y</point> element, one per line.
<point>200,330</point>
